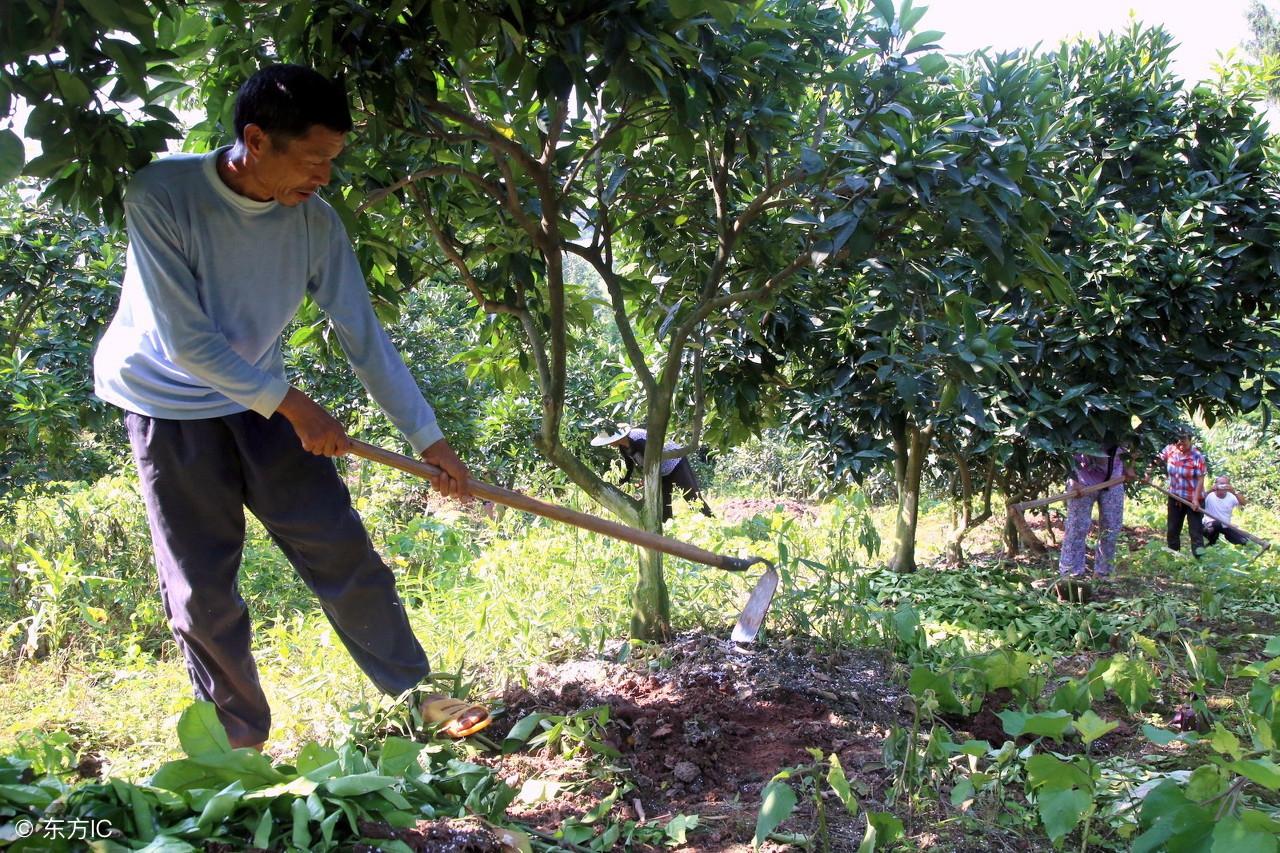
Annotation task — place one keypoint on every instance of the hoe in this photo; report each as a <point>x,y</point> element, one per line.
<point>749,622</point>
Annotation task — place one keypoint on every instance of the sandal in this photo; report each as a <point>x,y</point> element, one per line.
<point>451,712</point>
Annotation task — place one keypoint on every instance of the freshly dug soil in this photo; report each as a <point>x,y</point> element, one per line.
<point>435,836</point>
<point>741,509</point>
<point>703,724</point>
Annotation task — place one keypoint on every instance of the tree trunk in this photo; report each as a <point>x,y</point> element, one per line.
<point>1027,535</point>
<point>651,604</point>
<point>967,521</point>
<point>909,470</point>
<point>1011,548</point>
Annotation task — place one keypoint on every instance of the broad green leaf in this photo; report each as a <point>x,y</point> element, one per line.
<point>1049,772</point>
<point>1172,818</point>
<point>1091,726</point>
<point>882,830</point>
<point>1162,737</point>
<point>885,9</point>
<point>314,756</point>
<point>200,731</point>
<point>1052,724</point>
<point>922,38</point>
<point>27,795</point>
<point>301,835</point>
<point>923,679</point>
<point>262,833</point>
<point>1224,741</point>
<point>302,786</point>
<point>12,156</point>
<point>398,755</point>
<point>779,801</point>
<point>1264,771</point>
<point>679,826</point>
<point>221,805</point>
<point>962,793</point>
<point>1061,810</point>
<point>1231,835</point>
<point>535,791</point>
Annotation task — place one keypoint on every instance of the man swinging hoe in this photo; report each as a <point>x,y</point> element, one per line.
<point>223,247</point>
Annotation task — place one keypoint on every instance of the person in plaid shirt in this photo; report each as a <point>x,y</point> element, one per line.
<point>1186,468</point>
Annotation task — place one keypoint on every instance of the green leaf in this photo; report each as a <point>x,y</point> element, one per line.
<point>522,731</point>
<point>1061,810</point>
<point>1043,724</point>
<point>882,830</point>
<point>840,784</point>
<point>922,38</point>
<point>398,755</point>
<point>1231,835</point>
<point>314,756</point>
<point>1091,726</point>
<point>13,156</point>
<point>923,679</point>
<point>221,805</point>
<point>200,731</point>
<point>301,817</point>
<point>779,802</point>
<point>932,64</point>
<point>360,783</point>
<point>885,9</point>
<point>678,826</point>
<point>1224,741</point>
<point>1162,737</point>
<point>962,793</point>
<point>1172,818</point>
<point>1051,773</point>
<point>1264,771</point>
<point>262,834</point>
<point>26,795</point>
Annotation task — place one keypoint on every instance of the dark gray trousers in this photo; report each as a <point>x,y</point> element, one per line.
<point>682,477</point>
<point>197,477</point>
<point>1173,527</point>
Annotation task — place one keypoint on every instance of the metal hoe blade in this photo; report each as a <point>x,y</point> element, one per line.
<point>753,614</point>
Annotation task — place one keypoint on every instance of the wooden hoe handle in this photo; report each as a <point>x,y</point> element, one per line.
<point>1096,487</point>
<point>517,500</point>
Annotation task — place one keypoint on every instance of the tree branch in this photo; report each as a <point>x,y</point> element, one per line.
<point>614,285</point>
<point>452,251</point>
<point>434,172</point>
<point>489,136</point>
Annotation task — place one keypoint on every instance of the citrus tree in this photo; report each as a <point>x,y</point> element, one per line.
<point>700,157</point>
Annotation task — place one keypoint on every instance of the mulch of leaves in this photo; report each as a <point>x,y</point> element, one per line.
<point>703,724</point>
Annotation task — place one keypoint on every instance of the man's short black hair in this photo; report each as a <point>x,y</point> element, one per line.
<point>286,100</point>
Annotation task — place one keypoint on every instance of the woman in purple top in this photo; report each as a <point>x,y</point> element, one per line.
<point>1089,471</point>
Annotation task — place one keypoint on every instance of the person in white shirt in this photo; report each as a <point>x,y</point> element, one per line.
<point>1218,508</point>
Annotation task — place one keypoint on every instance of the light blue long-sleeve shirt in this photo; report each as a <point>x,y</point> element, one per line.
<point>212,279</point>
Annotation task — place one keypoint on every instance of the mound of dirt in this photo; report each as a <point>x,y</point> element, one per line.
<point>703,724</point>
<point>741,509</point>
